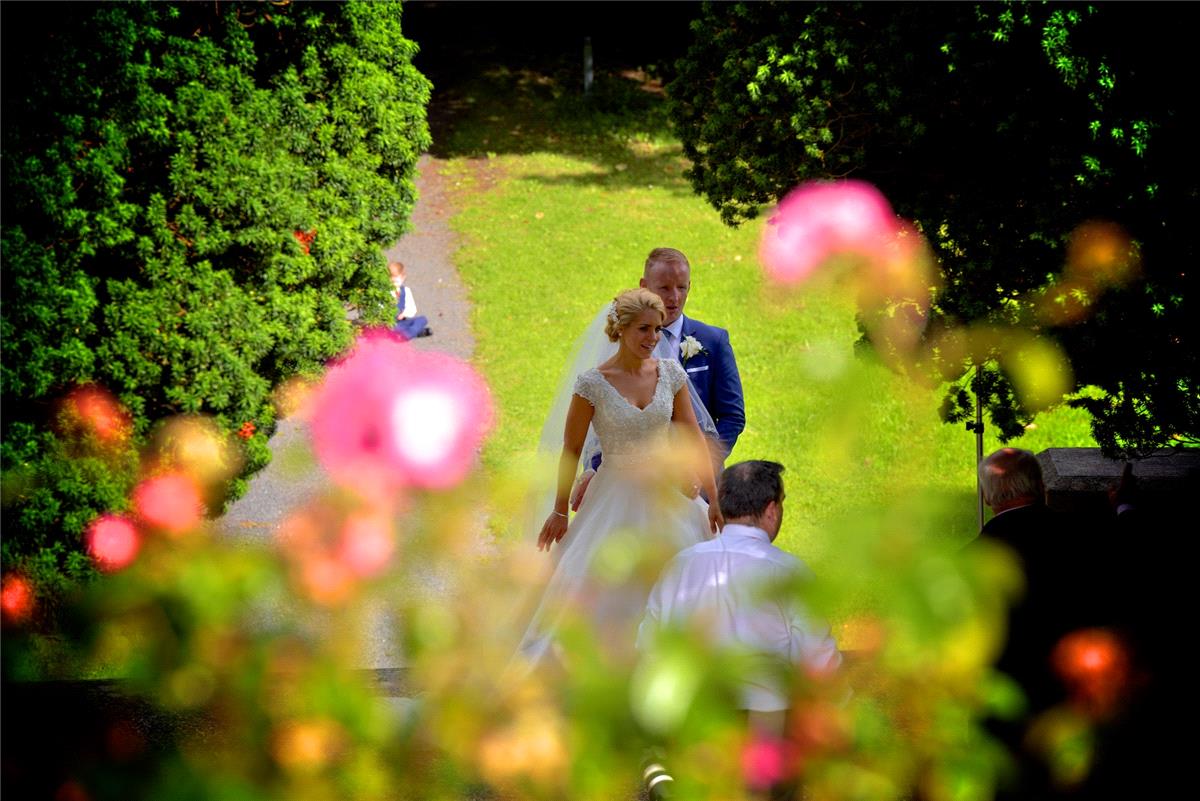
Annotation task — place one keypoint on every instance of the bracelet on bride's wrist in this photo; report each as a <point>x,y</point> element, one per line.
<point>560,514</point>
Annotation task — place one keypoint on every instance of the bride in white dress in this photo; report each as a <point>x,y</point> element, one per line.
<point>631,400</point>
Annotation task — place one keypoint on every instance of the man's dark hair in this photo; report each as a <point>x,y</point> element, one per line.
<point>747,488</point>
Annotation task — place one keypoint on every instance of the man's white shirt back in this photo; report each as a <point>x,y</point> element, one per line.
<point>722,579</point>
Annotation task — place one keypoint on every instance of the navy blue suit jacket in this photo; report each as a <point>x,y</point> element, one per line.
<point>714,373</point>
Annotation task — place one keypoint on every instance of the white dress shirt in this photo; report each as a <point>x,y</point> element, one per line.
<point>668,344</point>
<point>721,580</point>
<point>410,304</point>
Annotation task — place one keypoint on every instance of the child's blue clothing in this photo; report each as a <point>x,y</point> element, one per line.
<point>413,325</point>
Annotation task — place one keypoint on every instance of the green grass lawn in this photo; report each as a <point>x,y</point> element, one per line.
<point>559,204</point>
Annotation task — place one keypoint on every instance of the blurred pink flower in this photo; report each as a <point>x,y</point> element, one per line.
<point>170,502</point>
<point>366,543</point>
<point>113,542</point>
<point>892,269</point>
<point>387,416</point>
<point>440,420</point>
<point>330,549</point>
<point>765,761</point>
<point>823,219</point>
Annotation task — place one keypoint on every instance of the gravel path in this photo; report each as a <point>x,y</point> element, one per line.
<point>428,253</point>
<point>292,478</point>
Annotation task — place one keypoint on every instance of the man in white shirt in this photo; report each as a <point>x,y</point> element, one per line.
<point>720,583</point>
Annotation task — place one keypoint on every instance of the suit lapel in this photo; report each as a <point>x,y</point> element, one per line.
<point>691,329</point>
<point>688,329</point>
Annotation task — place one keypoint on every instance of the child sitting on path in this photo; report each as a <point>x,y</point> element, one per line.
<point>409,324</point>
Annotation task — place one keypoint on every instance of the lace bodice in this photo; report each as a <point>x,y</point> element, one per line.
<point>625,431</point>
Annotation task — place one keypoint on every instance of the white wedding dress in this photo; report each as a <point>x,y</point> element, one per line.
<point>633,519</point>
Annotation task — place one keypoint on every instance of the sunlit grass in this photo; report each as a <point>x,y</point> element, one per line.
<point>554,227</point>
<point>243,649</point>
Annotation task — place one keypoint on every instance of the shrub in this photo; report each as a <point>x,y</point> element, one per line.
<point>1005,132</point>
<point>193,195</point>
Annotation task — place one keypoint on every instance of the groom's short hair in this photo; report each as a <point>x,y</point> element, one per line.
<point>748,487</point>
<point>665,256</point>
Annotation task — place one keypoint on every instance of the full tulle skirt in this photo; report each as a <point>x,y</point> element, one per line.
<point>628,527</point>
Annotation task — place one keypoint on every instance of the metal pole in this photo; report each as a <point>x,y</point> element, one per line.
<point>587,65</point>
<point>978,428</point>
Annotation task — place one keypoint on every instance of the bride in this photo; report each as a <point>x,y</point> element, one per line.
<point>631,400</point>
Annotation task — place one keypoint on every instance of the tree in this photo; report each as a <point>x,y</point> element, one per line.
<point>999,129</point>
<point>193,194</point>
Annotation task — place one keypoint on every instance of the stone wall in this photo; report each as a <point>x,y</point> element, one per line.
<point>1077,480</point>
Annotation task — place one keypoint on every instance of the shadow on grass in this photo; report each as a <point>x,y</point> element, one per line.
<point>621,128</point>
<point>500,89</point>
<point>958,518</point>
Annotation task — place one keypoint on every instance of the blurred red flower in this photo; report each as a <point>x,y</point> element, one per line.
<point>305,239</point>
<point>1094,664</point>
<point>96,409</point>
<point>16,599</point>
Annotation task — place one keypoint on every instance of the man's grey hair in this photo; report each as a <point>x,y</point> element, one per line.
<point>748,487</point>
<point>665,256</point>
<point>1011,474</point>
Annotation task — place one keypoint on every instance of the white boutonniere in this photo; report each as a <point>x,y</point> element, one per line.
<point>689,347</point>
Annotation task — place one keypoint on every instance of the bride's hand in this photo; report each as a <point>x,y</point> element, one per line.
<point>715,521</point>
<point>552,531</point>
<point>581,485</point>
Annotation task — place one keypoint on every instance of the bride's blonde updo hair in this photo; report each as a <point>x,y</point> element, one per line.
<point>626,308</point>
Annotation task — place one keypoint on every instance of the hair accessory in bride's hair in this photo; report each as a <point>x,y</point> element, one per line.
<point>612,312</point>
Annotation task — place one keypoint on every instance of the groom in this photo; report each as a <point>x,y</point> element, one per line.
<point>703,350</point>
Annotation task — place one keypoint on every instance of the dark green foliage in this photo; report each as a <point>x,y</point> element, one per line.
<point>194,194</point>
<point>998,129</point>
<point>767,97</point>
<point>1001,404</point>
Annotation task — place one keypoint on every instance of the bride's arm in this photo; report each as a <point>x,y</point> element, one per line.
<point>683,416</point>
<point>579,417</point>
